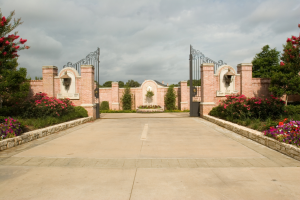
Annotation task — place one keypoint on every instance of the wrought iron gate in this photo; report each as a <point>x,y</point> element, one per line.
<point>92,58</point>
<point>196,59</point>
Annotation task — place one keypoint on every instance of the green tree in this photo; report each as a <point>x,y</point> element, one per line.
<point>107,84</point>
<point>13,86</point>
<point>126,99</point>
<point>132,83</point>
<point>265,62</point>
<point>170,98</point>
<point>41,78</point>
<point>195,82</point>
<point>121,84</point>
<point>286,79</point>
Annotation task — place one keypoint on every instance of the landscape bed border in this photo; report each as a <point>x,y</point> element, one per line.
<point>257,136</point>
<point>143,110</point>
<point>36,134</point>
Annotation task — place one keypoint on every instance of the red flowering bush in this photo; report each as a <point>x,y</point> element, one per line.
<point>241,107</point>
<point>285,132</point>
<point>10,128</point>
<point>40,105</point>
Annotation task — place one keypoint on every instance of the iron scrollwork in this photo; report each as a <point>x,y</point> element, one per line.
<point>93,56</point>
<point>196,54</point>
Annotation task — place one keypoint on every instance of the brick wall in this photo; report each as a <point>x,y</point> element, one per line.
<point>114,94</point>
<point>36,86</point>
<point>260,87</point>
<point>105,95</point>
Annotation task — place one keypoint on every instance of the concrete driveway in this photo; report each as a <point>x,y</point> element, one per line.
<point>147,156</point>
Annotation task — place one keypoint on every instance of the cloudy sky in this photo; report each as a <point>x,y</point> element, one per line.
<point>149,39</point>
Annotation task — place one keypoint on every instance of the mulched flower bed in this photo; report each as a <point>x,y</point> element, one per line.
<point>149,107</point>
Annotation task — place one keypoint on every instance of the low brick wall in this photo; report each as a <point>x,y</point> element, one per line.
<point>287,149</point>
<point>33,135</point>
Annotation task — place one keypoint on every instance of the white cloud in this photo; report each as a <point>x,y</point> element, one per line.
<point>143,39</point>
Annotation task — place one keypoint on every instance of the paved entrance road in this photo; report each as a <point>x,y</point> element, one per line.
<point>147,156</point>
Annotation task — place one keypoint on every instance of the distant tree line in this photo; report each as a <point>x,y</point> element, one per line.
<point>132,83</point>
<point>129,83</point>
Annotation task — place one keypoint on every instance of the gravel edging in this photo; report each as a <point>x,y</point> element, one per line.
<point>287,149</point>
<point>33,135</point>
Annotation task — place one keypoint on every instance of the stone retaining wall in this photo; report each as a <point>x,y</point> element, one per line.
<point>33,135</point>
<point>287,149</point>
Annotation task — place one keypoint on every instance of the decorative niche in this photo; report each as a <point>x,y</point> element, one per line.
<point>226,80</point>
<point>67,81</point>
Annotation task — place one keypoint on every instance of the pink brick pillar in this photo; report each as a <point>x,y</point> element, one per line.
<point>184,96</point>
<point>87,90</point>
<point>115,105</point>
<point>207,88</point>
<point>245,71</point>
<point>49,72</point>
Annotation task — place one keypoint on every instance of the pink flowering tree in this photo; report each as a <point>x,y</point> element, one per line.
<point>286,80</point>
<point>13,86</point>
<point>10,44</point>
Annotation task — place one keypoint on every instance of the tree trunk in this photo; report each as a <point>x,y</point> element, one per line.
<point>286,100</point>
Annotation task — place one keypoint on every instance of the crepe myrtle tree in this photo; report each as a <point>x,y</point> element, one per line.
<point>286,80</point>
<point>10,44</point>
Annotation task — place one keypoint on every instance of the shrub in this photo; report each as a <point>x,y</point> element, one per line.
<point>292,110</point>
<point>170,99</point>
<point>241,107</point>
<point>81,111</point>
<point>149,94</point>
<point>295,103</point>
<point>6,111</point>
<point>10,128</point>
<point>126,99</point>
<point>104,105</point>
<point>40,105</point>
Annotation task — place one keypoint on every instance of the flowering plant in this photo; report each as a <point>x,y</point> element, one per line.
<point>149,107</point>
<point>40,105</point>
<point>285,79</point>
<point>239,106</point>
<point>10,128</point>
<point>8,44</point>
<point>285,132</point>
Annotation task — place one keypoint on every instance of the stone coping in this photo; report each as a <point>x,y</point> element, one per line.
<point>149,110</point>
<point>33,135</point>
<point>287,149</point>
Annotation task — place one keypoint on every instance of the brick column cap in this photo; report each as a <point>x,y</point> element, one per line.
<point>208,64</point>
<point>114,82</point>
<point>183,81</point>
<point>244,64</point>
<point>49,67</point>
<point>87,66</point>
